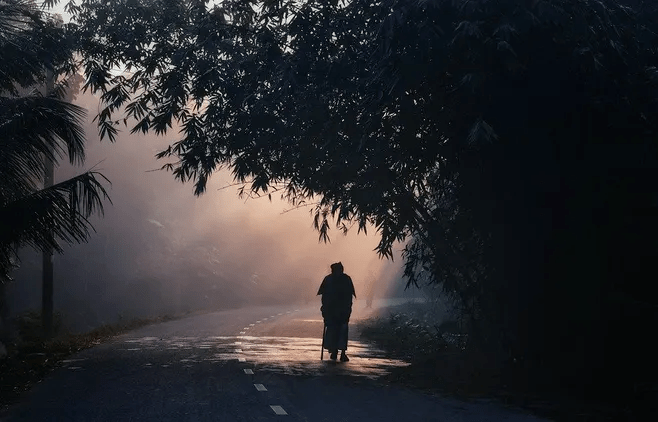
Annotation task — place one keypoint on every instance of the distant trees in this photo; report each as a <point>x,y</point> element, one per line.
<point>36,128</point>
<point>513,141</point>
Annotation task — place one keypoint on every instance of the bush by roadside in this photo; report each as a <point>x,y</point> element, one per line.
<point>441,362</point>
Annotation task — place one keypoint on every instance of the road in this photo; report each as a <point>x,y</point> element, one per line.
<point>250,364</point>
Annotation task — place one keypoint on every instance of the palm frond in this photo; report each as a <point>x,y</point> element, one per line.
<point>36,128</point>
<point>33,128</point>
<point>16,15</point>
<point>45,217</point>
<point>22,61</point>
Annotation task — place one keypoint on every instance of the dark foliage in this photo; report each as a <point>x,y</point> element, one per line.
<point>512,141</point>
<point>436,364</point>
<point>35,127</point>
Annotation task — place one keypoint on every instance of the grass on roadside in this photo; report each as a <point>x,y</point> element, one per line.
<point>435,349</point>
<point>440,362</point>
<point>30,358</point>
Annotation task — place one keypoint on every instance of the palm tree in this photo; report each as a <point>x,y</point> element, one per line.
<point>35,129</point>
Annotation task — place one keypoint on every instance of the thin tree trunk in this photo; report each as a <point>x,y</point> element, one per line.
<point>48,276</point>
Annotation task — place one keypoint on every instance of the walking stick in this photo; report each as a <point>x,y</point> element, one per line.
<point>324,331</point>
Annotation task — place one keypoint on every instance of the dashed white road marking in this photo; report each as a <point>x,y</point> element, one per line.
<point>238,342</point>
<point>249,372</point>
<point>245,328</point>
<point>241,332</point>
<point>242,360</point>
<point>278,410</point>
<point>260,387</point>
<point>280,314</point>
<point>251,325</point>
<point>238,350</point>
<point>265,319</point>
<point>296,310</point>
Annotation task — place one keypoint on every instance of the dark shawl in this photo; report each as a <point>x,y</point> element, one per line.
<point>337,291</point>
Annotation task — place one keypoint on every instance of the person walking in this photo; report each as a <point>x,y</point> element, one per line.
<point>337,290</point>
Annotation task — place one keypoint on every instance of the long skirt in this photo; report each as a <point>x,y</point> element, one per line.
<point>335,338</point>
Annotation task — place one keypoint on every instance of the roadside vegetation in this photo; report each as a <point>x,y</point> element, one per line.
<point>436,345</point>
<point>41,128</point>
<point>29,357</point>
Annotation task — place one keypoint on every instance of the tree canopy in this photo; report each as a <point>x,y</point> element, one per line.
<point>36,127</point>
<point>509,140</point>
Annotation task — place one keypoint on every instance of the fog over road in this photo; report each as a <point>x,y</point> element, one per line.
<point>250,364</point>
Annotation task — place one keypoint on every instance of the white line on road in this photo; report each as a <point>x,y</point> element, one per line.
<point>238,350</point>
<point>238,342</point>
<point>251,325</point>
<point>260,387</point>
<point>249,372</point>
<point>278,410</point>
<point>245,328</point>
<point>241,332</point>
<point>242,360</point>
<point>265,319</point>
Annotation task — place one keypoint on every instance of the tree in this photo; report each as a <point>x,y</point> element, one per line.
<point>34,127</point>
<point>488,132</point>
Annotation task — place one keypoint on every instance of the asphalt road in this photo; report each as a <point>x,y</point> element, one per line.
<point>251,364</point>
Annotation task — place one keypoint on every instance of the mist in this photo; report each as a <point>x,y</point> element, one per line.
<point>161,250</point>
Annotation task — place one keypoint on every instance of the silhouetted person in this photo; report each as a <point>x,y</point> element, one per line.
<point>337,290</point>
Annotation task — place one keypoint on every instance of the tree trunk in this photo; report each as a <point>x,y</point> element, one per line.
<point>47,279</point>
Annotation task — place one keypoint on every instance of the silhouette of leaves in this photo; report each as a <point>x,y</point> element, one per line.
<point>36,127</point>
<point>463,128</point>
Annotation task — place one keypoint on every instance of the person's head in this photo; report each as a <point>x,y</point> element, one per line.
<point>336,268</point>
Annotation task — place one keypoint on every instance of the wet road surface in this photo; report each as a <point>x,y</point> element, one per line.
<point>252,364</point>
